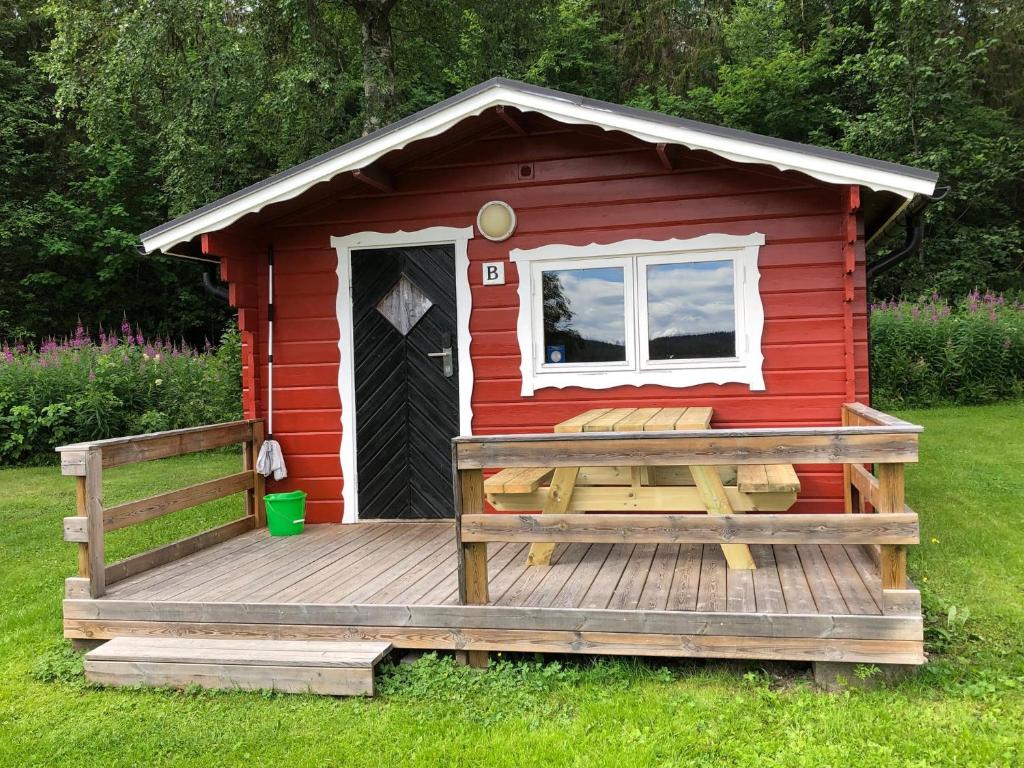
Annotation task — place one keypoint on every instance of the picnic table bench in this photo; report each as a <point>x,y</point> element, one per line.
<point>714,490</point>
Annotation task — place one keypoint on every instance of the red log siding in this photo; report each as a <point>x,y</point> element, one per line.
<point>585,186</point>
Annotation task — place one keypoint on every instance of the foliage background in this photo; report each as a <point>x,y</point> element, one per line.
<point>121,383</point>
<point>115,116</point>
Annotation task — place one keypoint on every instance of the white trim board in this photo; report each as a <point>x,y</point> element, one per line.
<point>744,369</point>
<point>559,107</point>
<point>457,236</point>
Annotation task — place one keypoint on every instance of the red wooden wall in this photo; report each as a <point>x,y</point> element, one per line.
<point>583,186</point>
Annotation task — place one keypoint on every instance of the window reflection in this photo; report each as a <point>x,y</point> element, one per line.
<point>691,310</point>
<point>584,315</point>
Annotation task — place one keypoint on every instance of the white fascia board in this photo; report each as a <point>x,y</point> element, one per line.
<point>830,170</point>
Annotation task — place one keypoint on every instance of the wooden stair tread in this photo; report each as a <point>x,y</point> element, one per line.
<point>332,668</point>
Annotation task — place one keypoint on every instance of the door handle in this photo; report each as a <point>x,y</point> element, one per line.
<point>446,361</point>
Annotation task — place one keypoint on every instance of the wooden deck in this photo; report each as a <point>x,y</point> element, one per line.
<point>367,580</point>
<point>820,587</point>
<point>415,564</point>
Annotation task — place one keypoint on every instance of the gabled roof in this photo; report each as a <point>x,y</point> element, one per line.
<point>739,146</point>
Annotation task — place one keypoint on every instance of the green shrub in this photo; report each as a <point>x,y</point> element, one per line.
<point>930,352</point>
<point>119,384</point>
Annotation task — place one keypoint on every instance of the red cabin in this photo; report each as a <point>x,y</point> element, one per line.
<point>513,256</point>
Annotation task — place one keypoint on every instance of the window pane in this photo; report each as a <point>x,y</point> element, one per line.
<point>584,315</point>
<point>691,310</point>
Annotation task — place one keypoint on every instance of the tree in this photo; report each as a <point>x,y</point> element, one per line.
<point>378,61</point>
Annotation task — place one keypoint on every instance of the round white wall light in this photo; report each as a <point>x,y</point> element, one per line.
<point>496,220</point>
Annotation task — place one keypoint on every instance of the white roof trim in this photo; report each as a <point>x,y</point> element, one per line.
<point>566,110</point>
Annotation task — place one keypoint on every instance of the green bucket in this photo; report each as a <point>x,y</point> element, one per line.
<point>286,512</point>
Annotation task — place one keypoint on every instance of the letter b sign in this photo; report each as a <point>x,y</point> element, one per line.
<point>494,272</point>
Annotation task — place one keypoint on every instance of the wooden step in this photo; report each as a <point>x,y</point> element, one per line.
<point>333,668</point>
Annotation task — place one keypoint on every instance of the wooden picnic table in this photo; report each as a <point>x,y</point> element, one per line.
<point>714,490</point>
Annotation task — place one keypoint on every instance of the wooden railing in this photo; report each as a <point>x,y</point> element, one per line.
<point>86,462</point>
<point>882,492</point>
<point>867,436</point>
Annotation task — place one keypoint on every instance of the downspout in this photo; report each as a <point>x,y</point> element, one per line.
<point>913,221</point>
<point>217,291</point>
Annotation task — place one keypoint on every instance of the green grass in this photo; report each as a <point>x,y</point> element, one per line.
<point>965,709</point>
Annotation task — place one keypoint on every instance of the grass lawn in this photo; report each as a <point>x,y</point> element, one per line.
<point>965,709</point>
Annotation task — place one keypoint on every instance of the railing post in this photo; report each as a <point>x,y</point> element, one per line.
<point>472,556</point>
<point>893,556</point>
<point>849,492</point>
<point>254,497</point>
<point>91,560</point>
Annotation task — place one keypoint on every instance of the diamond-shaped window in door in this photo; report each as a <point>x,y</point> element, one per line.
<point>404,305</point>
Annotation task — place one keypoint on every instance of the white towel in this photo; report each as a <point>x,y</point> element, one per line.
<point>271,460</point>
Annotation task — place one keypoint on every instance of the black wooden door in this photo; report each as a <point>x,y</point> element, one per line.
<point>407,403</point>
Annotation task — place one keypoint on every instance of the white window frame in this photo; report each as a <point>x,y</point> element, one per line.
<point>540,349</point>
<point>739,312</point>
<point>744,368</point>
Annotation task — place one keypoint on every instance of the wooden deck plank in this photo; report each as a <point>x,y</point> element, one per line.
<point>767,586</point>
<point>659,580</point>
<point>795,588</point>
<point>856,595</point>
<point>826,593</point>
<point>499,617</point>
<point>358,571</point>
<point>711,594</point>
<point>529,579</point>
<point>557,576</point>
<point>634,578</point>
<point>502,570</point>
<point>571,594</point>
<point>434,587</point>
<point>444,555</point>
<point>202,577</point>
<point>328,571</point>
<point>143,582</point>
<point>290,565</point>
<point>720,644</point>
<point>607,578</point>
<point>739,591</point>
<point>686,578</point>
<point>256,581</point>
<point>396,568</point>
<point>868,569</point>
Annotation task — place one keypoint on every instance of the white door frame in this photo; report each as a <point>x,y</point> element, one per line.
<point>360,241</point>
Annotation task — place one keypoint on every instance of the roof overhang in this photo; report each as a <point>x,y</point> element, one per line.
<point>739,146</point>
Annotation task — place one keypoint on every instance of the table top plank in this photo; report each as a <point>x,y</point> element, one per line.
<point>695,418</point>
<point>607,421</point>
<point>635,421</point>
<point>576,423</point>
<point>664,420</point>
